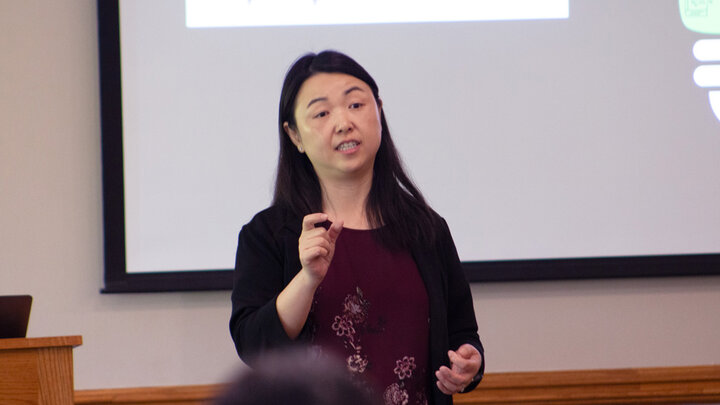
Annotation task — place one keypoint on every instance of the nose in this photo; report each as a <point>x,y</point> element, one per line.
<point>343,124</point>
<point>343,128</point>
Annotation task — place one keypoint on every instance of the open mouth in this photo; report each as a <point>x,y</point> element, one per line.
<point>347,145</point>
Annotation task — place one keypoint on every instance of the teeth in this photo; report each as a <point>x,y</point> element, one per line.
<point>347,145</point>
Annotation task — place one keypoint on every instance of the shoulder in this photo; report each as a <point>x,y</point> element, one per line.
<point>437,236</point>
<point>435,217</point>
<point>443,243</point>
<point>442,230</point>
<point>274,220</point>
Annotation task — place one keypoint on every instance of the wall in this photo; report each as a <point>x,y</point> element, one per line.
<point>51,247</point>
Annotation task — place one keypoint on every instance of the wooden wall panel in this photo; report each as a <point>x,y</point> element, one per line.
<point>669,385</point>
<point>179,395</point>
<point>672,385</point>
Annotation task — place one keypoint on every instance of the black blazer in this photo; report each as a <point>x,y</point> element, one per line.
<point>267,260</point>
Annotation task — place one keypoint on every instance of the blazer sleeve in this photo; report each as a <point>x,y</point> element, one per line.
<point>258,279</point>
<point>462,324</point>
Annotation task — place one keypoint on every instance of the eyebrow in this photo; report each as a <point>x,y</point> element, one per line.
<point>348,91</point>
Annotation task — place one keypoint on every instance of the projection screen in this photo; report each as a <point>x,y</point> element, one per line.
<point>558,138</point>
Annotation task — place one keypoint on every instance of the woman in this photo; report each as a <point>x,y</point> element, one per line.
<point>349,258</point>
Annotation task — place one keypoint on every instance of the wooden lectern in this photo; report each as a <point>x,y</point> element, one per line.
<point>37,370</point>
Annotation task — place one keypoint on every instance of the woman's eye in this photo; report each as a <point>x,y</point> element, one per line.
<point>355,105</point>
<point>320,114</point>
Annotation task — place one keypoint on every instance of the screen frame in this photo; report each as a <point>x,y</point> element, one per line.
<point>116,277</point>
<point>118,280</point>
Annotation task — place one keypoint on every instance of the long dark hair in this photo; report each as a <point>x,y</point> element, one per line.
<point>395,206</point>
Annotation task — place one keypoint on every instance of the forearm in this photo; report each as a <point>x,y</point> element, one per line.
<point>294,302</point>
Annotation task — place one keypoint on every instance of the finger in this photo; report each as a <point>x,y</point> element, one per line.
<point>467,351</point>
<point>459,363</point>
<point>466,359</point>
<point>315,233</point>
<point>450,377</point>
<point>445,390</point>
<point>314,238</point>
<point>334,230</point>
<point>313,253</point>
<point>310,220</point>
<point>315,243</point>
<point>450,385</point>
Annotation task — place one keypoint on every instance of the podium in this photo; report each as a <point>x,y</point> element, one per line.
<point>37,370</point>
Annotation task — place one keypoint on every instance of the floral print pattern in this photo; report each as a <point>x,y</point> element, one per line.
<point>355,310</point>
<point>343,327</point>
<point>354,316</point>
<point>357,363</point>
<point>404,367</point>
<point>396,393</point>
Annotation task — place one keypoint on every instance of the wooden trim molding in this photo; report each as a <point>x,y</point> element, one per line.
<point>178,395</point>
<point>667,385</point>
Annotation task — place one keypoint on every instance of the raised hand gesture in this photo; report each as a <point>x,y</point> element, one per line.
<point>464,365</point>
<point>316,245</point>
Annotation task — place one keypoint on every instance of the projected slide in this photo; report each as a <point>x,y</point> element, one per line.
<point>255,13</point>
<point>703,16</point>
<point>541,129</point>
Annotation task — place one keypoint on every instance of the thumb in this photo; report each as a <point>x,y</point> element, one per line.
<point>334,230</point>
<point>467,351</point>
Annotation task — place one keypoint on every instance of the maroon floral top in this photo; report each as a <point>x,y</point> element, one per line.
<point>372,311</point>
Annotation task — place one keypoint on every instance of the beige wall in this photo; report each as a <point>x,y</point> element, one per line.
<point>51,247</point>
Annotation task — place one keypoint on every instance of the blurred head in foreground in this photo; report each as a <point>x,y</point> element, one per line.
<point>298,378</point>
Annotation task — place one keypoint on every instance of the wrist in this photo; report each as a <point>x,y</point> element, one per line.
<point>308,281</point>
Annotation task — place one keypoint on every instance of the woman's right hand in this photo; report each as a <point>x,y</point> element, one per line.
<point>316,245</point>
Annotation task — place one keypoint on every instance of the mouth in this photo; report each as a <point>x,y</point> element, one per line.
<point>347,145</point>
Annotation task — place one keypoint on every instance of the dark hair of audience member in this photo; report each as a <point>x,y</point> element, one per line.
<point>298,378</point>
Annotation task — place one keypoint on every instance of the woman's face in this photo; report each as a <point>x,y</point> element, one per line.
<point>338,126</point>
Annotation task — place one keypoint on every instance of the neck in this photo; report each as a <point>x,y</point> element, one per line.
<point>346,200</point>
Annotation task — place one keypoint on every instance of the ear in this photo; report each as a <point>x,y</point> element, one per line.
<point>294,136</point>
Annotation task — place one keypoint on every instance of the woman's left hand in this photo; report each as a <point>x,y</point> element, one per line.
<point>464,365</point>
